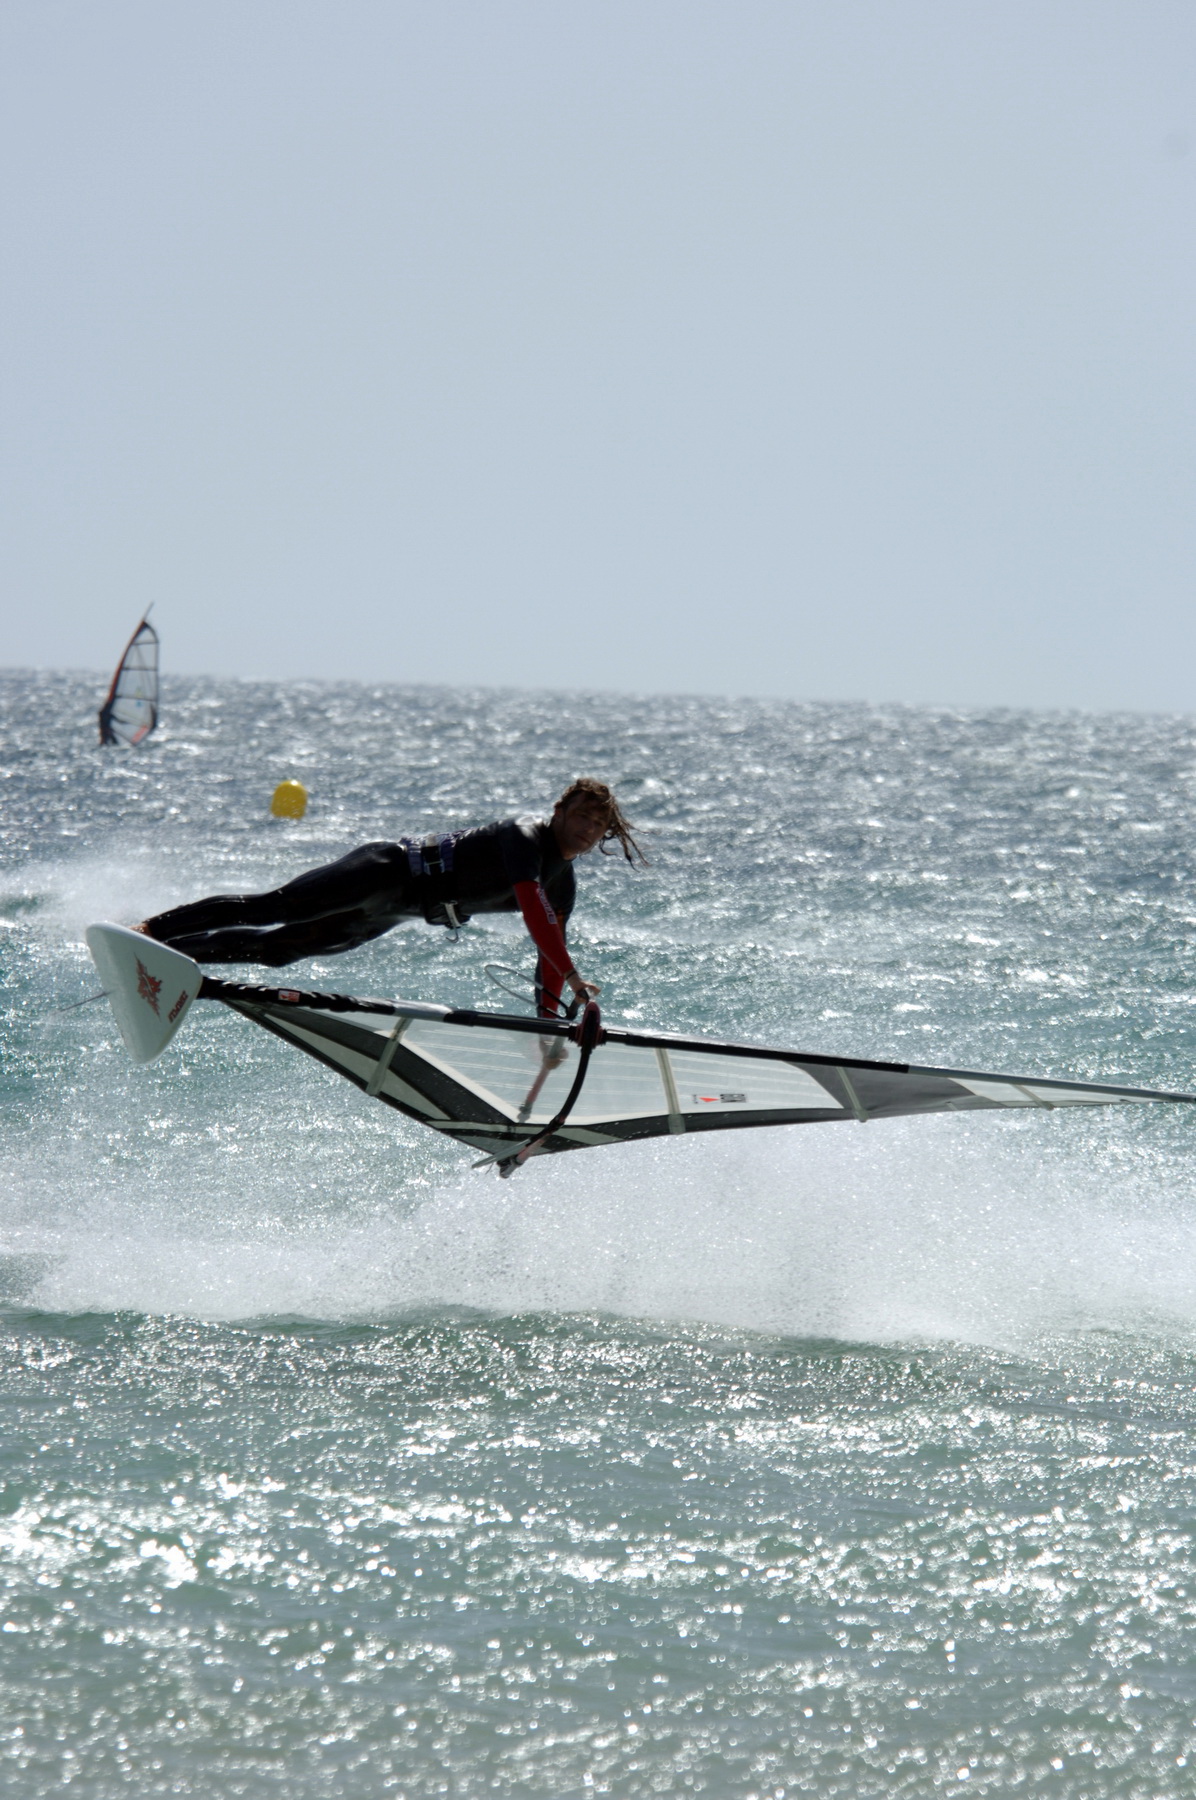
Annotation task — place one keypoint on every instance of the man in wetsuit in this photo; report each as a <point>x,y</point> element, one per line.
<point>524,864</point>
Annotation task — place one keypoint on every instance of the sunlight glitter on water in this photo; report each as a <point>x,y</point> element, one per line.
<point>835,1460</point>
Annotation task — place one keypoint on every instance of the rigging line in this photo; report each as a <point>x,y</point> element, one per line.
<point>563,1009</point>
<point>88,1000</point>
<point>494,970</point>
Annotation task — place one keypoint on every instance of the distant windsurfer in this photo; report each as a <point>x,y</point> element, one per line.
<point>514,864</point>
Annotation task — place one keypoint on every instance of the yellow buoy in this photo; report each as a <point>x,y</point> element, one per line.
<point>290,800</point>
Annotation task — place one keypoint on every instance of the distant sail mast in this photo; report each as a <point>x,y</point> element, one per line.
<point>130,712</point>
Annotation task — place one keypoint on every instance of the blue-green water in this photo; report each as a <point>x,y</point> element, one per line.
<point>834,1461</point>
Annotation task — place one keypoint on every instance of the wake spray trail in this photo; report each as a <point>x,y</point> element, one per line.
<point>815,1234</point>
<point>231,1183</point>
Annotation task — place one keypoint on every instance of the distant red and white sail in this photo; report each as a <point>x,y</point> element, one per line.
<point>130,712</point>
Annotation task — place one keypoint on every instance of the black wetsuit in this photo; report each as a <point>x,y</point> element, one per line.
<point>443,879</point>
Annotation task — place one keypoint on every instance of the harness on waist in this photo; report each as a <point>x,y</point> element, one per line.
<point>433,855</point>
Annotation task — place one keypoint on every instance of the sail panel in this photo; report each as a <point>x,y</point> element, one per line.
<point>708,1083</point>
<point>130,711</point>
<point>517,1074</point>
<point>1031,1093</point>
<point>492,1081</point>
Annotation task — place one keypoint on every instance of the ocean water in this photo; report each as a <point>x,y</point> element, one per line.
<point>835,1460</point>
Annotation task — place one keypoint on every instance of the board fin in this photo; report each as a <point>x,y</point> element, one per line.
<point>149,986</point>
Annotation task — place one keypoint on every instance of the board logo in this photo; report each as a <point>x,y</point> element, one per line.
<point>148,986</point>
<point>720,1099</point>
<point>177,1008</point>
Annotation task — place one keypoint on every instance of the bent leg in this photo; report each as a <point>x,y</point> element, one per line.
<point>218,913</point>
<point>276,945</point>
<point>374,877</point>
<point>234,944</point>
<point>325,910</point>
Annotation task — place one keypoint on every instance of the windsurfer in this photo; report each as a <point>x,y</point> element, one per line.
<point>514,864</point>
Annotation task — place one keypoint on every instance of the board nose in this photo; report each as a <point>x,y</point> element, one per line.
<point>149,986</point>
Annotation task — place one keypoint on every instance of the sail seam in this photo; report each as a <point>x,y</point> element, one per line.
<point>857,1105</point>
<point>672,1098</point>
<point>381,1067</point>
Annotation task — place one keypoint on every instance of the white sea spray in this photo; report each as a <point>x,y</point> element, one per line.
<point>844,1458</point>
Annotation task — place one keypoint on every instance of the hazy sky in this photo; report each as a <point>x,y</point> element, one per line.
<point>826,350</point>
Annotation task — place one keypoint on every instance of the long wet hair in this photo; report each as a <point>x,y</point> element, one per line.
<point>617,828</point>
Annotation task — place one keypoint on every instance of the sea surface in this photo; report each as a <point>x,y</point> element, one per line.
<point>834,1460</point>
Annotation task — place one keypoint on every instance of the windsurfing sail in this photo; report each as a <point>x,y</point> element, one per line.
<point>130,712</point>
<point>498,1083</point>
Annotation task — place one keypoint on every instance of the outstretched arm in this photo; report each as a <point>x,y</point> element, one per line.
<point>555,971</point>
